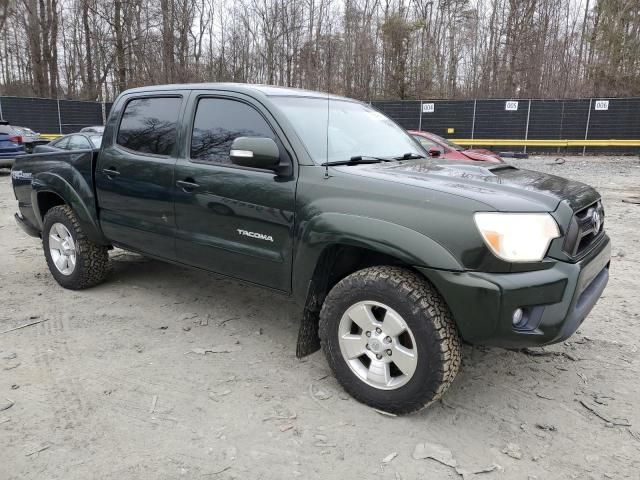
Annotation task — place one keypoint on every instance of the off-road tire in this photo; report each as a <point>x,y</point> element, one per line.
<point>92,260</point>
<point>426,314</point>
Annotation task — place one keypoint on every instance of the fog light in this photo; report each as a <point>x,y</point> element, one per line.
<point>518,315</point>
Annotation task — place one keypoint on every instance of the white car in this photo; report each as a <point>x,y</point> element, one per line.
<point>93,129</point>
<point>28,135</point>
<point>30,139</point>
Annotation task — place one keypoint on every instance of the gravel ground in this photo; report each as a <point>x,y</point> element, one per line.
<point>108,386</point>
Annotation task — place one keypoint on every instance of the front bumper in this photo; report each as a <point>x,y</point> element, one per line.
<point>555,300</point>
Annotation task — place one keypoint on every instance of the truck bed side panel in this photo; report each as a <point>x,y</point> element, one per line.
<point>68,175</point>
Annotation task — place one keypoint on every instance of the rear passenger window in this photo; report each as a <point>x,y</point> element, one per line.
<point>149,125</point>
<point>218,123</point>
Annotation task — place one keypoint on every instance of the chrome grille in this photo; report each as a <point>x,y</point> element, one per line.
<point>586,226</point>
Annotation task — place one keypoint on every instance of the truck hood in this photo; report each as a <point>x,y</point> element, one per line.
<point>501,186</point>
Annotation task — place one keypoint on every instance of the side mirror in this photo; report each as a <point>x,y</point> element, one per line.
<point>434,152</point>
<point>255,152</point>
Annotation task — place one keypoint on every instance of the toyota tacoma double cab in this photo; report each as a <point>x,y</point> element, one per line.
<point>392,259</point>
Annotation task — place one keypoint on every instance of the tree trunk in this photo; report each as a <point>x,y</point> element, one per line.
<point>53,58</point>
<point>121,72</point>
<point>91,86</point>
<point>35,47</point>
<point>168,40</point>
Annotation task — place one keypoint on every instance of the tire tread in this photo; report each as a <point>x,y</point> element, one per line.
<point>425,302</point>
<point>92,259</point>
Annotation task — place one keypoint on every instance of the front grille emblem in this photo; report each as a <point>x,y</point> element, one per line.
<point>596,220</point>
<point>585,228</point>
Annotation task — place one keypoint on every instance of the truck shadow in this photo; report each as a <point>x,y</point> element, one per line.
<point>204,294</point>
<point>493,382</point>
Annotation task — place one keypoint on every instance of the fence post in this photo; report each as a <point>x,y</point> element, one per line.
<point>561,128</point>
<point>526,130</point>
<point>586,131</point>
<point>473,122</point>
<point>59,119</point>
<point>420,121</point>
<point>103,107</point>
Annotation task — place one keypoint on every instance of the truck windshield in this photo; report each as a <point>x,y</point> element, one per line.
<point>353,129</point>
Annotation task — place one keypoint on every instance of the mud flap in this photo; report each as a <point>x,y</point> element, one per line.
<point>308,339</point>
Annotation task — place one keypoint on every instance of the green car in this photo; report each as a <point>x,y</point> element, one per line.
<point>393,259</point>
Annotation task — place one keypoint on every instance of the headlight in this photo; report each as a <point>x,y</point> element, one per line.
<point>517,237</point>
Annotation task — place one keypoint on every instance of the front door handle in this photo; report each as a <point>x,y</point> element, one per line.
<point>110,172</point>
<point>187,185</point>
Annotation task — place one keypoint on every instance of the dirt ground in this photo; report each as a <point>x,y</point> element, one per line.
<point>109,387</point>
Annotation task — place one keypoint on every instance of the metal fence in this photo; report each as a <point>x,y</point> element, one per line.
<point>49,116</point>
<point>611,124</point>
<point>597,124</point>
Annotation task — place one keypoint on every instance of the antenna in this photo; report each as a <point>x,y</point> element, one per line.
<point>326,161</point>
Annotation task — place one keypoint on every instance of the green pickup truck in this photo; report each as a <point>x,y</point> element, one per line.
<point>392,258</point>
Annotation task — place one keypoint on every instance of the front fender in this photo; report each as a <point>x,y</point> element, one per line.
<point>325,229</point>
<point>77,194</point>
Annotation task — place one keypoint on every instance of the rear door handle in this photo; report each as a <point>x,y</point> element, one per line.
<point>110,172</point>
<point>187,185</point>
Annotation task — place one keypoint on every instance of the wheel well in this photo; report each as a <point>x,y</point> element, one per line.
<point>48,200</point>
<point>335,263</point>
<point>339,261</point>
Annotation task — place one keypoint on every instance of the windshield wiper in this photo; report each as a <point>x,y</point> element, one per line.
<point>357,160</point>
<point>409,156</point>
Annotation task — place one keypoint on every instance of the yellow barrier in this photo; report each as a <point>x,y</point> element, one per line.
<point>546,143</point>
<point>498,142</point>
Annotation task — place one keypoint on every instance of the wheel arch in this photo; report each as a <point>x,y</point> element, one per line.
<point>336,245</point>
<point>50,189</point>
<point>45,201</point>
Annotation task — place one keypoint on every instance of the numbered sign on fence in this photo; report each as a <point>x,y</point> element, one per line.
<point>511,105</point>
<point>428,107</point>
<point>602,104</point>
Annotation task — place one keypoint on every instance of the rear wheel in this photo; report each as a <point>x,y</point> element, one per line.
<point>390,339</point>
<point>74,260</point>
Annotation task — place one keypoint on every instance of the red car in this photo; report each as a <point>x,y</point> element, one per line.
<point>441,147</point>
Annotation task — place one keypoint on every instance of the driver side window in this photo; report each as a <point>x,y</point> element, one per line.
<point>218,123</point>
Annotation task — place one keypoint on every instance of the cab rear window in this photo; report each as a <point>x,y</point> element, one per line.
<point>149,125</point>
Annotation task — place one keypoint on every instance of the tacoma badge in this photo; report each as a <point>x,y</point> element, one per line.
<point>259,236</point>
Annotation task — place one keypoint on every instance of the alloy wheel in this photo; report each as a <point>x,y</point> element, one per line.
<point>62,248</point>
<point>377,345</point>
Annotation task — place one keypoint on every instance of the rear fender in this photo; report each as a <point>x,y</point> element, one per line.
<point>79,197</point>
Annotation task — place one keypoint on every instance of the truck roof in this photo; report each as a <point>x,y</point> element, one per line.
<point>267,90</point>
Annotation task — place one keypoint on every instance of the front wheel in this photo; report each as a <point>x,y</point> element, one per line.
<point>74,260</point>
<point>390,339</point>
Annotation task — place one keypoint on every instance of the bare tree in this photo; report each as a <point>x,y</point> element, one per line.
<point>361,48</point>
